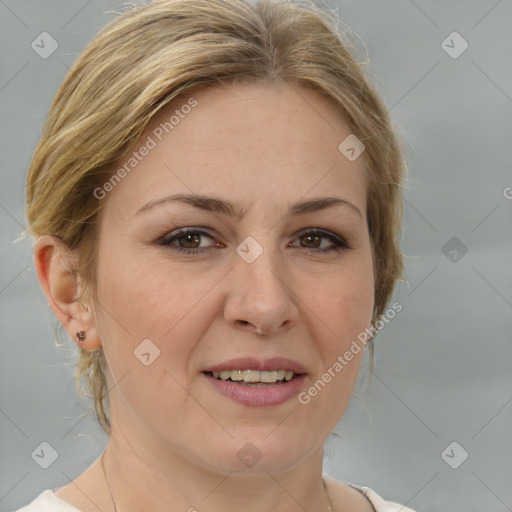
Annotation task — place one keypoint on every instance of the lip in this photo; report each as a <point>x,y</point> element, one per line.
<point>252,363</point>
<point>259,396</point>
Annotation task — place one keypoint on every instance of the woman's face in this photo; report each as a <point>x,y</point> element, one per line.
<point>254,253</point>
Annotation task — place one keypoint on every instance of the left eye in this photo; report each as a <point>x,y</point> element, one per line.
<point>189,241</point>
<point>314,239</point>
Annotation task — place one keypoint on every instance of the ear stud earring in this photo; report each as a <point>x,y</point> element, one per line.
<point>81,335</point>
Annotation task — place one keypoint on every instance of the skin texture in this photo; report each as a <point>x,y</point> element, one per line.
<point>175,439</point>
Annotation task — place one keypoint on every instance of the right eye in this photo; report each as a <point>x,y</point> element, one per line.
<point>188,241</point>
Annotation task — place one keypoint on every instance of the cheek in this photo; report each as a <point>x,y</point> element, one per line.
<point>344,307</point>
<point>345,301</point>
<point>146,332</point>
<point>142,299</point>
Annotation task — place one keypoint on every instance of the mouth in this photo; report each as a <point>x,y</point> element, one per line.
<point>254,378</point>
<point>254,382</point>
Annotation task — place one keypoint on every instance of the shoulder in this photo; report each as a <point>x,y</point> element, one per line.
<point>374,502</point>
<point>340,492</point>
<point>48,502</point>
<point>380,504</point>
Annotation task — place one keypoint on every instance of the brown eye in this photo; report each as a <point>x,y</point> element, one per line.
<point>312,241</point>
<point>187,241</point>
<point>318,240</point>
<point>190,240</point>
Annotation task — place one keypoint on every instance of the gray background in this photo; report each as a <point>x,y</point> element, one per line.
<point>443,365</point>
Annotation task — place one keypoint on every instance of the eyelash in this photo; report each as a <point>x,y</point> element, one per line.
<point>338,243</point>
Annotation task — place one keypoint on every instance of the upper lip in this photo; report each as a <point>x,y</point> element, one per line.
<point>253,363</point>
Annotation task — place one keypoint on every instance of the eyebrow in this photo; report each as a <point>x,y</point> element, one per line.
<point>217,205</point>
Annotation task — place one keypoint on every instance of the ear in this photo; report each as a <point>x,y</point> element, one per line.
<point>55,264</point>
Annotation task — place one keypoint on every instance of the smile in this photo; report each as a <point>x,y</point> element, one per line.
<point>254,377</point>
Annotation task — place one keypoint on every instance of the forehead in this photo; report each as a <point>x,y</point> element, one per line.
<point>250,143</point>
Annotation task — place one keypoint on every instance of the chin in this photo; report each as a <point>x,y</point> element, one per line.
<point>259,454</point>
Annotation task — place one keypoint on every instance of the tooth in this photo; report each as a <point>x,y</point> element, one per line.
<point>236,375</point>
<point>252,375</point>
<point>268,376</point>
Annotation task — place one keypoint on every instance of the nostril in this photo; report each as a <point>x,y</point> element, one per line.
<point>246,322</point>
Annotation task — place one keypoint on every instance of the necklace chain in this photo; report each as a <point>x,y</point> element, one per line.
<point>330,505</point>
<point>108,483</point>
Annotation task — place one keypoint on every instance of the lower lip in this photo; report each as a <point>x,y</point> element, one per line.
<point>259,396</point>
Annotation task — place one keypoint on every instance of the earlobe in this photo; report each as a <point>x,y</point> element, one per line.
<point>55,264</point>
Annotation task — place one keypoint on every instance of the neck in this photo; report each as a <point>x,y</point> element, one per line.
<point>141,478</point>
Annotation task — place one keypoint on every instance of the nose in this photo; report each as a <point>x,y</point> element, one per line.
<point>261,299</point>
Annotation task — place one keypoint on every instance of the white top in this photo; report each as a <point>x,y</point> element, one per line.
<point>48,502</point>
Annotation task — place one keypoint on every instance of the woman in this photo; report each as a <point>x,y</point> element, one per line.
<point>216,199</point>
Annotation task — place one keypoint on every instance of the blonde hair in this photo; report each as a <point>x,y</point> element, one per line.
<point>156,53</point>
